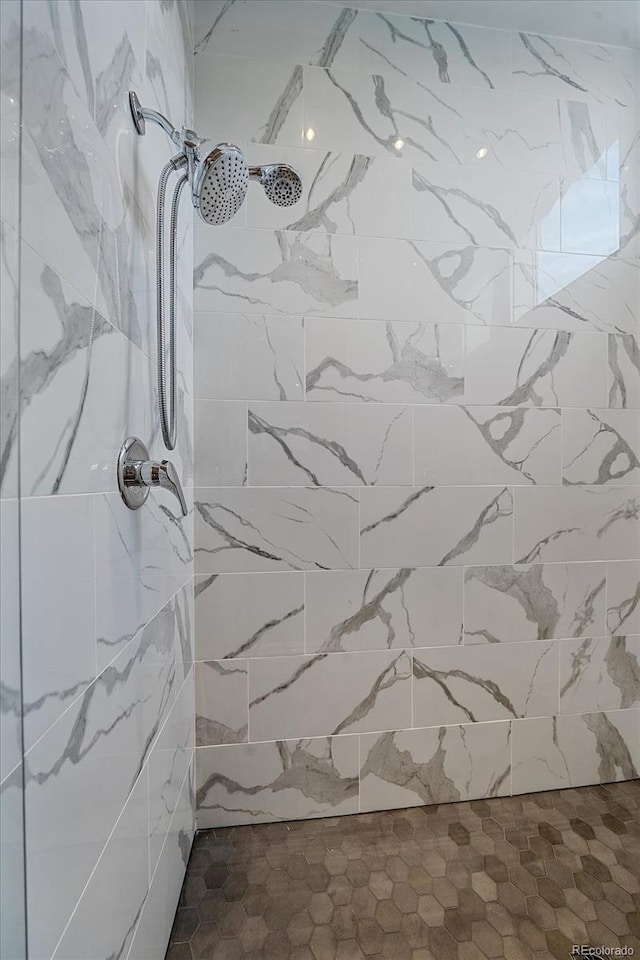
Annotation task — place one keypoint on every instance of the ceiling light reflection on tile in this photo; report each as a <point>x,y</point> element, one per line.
<point>482,153</point>
<point>310,134</point>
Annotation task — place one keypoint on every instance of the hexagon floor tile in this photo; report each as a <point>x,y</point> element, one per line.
<point>524,878</point>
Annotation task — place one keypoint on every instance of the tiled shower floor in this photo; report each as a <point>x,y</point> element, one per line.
<point>520,877</point>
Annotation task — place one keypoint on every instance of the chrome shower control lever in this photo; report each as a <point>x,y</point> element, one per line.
<point>137,474</point>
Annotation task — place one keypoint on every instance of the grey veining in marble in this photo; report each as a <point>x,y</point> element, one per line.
<point>599,674</point>
<point>623,597</point>
<point>624,371</point>
<point>384,362</point>
<point>377,609</point>
<point>601,446</point>
<point>241,529</point>
<point>221,702</point>
<point>435,765</point>
<point>285,779</point>
<point>544,601</point>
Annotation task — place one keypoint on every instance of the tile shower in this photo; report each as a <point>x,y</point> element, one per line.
<point>417,427</point>
<point>409,437</point>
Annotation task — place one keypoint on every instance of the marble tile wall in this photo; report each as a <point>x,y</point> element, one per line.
<point>417,455</point>
<point>107,594</point>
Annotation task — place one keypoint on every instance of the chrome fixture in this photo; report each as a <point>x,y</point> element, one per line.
<point>219,179</point>
<point>137,474</point>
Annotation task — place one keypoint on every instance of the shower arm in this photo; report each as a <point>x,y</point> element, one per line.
<point>186,139</point>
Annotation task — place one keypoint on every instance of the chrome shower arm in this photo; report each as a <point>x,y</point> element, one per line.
<point>141,114</point>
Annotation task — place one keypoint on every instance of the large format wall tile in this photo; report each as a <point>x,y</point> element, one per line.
<point>298,528</point>
<point>329,443</point>
<point>382,115</point>
<point>437,765</point>
<point>284,780</point>
<point>600,446</point>
<point>512,367</point>
<point>543,601</point>
<point>369,691</point>
<point>271,625</point>
<point>341,193</point>
<point>433,526</point>
<point>241,357</point>
<point>9,339</point>
<point>462,684</point>
<point>221,702</point>
<point>376,609</point>
<point>473,445</point>
<point>434,281</point>
<point>220,440</point>
<point>602,234</point>
<point>11,728</point>
<point>550,753</point>
<point>576,523</point>
<point>623,597</point>
<point>463,204</point>
<point>599,674</point>
<point>515,132</point>
<point>323,36</point>
<point>264,271</point>
<point>387,362</point>
<point>435,53</point>
<point>573,70</point>
<point>570,291</point>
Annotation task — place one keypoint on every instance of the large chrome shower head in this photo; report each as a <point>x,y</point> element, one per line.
<point>281,183</point>
<point>220,183</point>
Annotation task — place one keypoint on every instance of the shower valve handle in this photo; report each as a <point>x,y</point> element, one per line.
<point>137,474</point>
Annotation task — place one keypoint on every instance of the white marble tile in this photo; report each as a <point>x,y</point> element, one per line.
<point>255,100</point>
<point>10,648</point>
<point>324,35</point>
<point>168,52</point>
<point>271,625</point>
<point>468,204</point>
<point>434,281</point>
<point>79,774</point>
<point>242,357</point>
<point>567,291</point>
<point>380,609</point>
<point>484,682</point>
<point>434,52</point>
<point>623,597</point>
<point>437,765</point>
<point>110,906</point>
<point>153,930</point>
<point>9,366</point>
<point>84,385</point>
<point>341,193</point>
<point>576,523</point>
<point>514,367</point>
<point>516,132</point>
<point>221,702</point>
<point>434,526</point>
<point>600,446</point>
<point>264,271</point>
<point>543,601</point>
<point>473,445</point>
<point>599,674</point>
<point>220,440</point>
<point>624,371</point>
<point>329,443</point>
<point>550,753</point>
<point>168,764</point>
<point>369,691</point>
<point>285,780</point>
<point>573,70</point>
<point>384,115</point>
<point>590,217</point>
<point>387,362</point>
<point>58,641</point>
<point>12,901</point>
<point>10,69</point>
<point>250,530</point>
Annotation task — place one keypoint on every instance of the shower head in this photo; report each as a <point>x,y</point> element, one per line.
<point>220,183</point>
<point>281,183</point>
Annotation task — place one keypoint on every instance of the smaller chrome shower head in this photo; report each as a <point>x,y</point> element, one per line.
<point>281,183</point>
<point>220,183</point>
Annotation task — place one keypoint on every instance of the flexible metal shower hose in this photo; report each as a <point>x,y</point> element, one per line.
<point>168,411</point>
